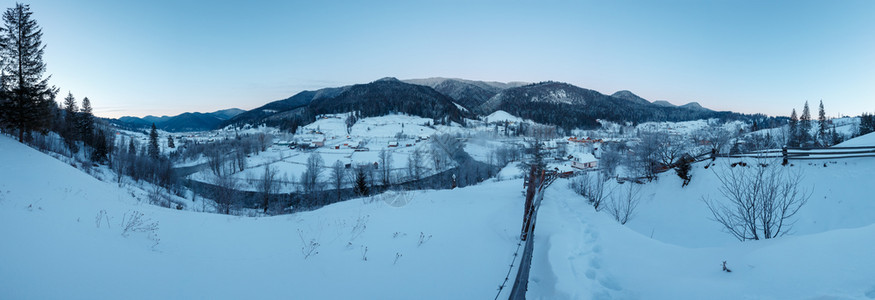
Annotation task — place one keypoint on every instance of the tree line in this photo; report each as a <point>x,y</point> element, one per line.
<point>803,133</point>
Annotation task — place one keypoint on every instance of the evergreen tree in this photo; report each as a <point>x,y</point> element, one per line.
<point>867,123</point>
<point>793,130</point>
<point>153,142</point>
<point>170,143</point>
<point>361,182</point>
<point>70,124</point>
<point>86,122</point>
<point>132,148</point>
<point>683,170</point>
<point>836,138</point>
<point>822,129</point>
<point>70,110</point>
<point>27,99</point>
<point>101,149</point>
<point>805,126</point>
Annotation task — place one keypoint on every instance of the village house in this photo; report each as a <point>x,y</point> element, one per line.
<point>583,161</point>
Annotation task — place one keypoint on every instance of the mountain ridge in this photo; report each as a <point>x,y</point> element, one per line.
<point>188,121</point>
<point>439,98</point>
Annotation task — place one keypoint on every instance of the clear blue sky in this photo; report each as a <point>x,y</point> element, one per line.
<point>168,57</point>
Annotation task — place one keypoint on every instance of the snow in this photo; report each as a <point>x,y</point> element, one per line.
<point>860,141</point>
<point>581,254</point>
<point>672,250</point>
<point>53,248</point>
<point>511,171</point>
<point>502,116</point>
<point>373,133</point>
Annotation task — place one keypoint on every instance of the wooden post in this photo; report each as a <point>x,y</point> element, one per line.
<point>784,155</point>
<point>530,202</point>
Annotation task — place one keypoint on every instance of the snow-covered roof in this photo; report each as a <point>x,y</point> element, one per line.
<point>583,157</point>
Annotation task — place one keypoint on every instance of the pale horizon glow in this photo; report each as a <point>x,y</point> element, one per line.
<point>169,57</point>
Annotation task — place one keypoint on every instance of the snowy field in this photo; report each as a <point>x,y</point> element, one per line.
<point>671,249</point>
<point>65,238</point>
<point>581,254</point>
<point>62,232</point>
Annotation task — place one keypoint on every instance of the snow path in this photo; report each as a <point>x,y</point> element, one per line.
<point>583,254</point>
<point>568,258</point>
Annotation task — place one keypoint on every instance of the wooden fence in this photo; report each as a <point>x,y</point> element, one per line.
<point>535,193</point>
<point>794,153</point>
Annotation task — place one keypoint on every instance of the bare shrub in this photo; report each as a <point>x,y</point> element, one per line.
<point>759,200</point>
<point>423,238</point>
<point>310,246</point>
<point>135,221</point>
<point>622,204</point>
<point>361,224</point>
<point>593,188</point>
<point>102,217</point>
<point>158,196</point>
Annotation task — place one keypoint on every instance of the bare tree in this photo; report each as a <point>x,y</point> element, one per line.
<point>609,160</point>
<point>264,141</point>
<point>310,177</point>
<point>438,158</point>
<point>644,159</point>
<point>415,168</point>
<point>759,200</point>
<point>224,193</point>
<point>593,188</point>
<point>714,136</point>
<point>669,147</point>
<point>215,161</point>
<point>240,158</point>
<point>622,204</point>
<point>338,177</point>
<point>268,186</point>
<point>385,157</point>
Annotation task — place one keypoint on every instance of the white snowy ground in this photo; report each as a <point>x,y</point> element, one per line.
<point>53,247</point>
<point>672,250</point>
<point>373,133</point>
<point>503,116</point>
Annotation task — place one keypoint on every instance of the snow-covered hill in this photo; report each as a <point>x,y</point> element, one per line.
<point>62,233</point>
<point>865,140</point>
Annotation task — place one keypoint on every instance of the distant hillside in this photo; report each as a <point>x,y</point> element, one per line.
<point>663,103</point>
<point>435,81</point>
<point>381,97</point>
<point>390,95</point>
<point>268,111</point>
<point>467,93</point>
<point>555,103</point>
<point>693,105</point>
<point>627,95</point>
<point>184,122</point>
<point>569,106</point>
